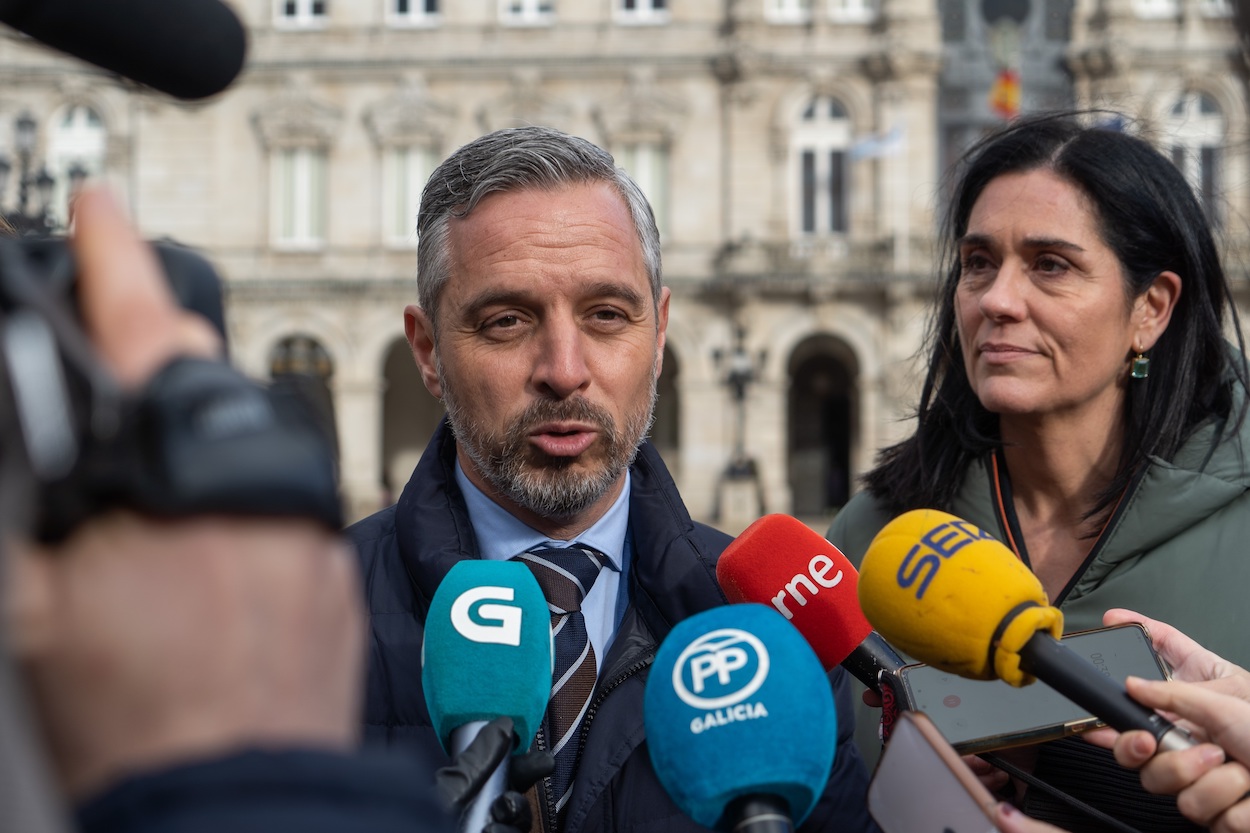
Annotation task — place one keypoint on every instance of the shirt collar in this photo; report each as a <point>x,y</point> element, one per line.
<point>500,536</point>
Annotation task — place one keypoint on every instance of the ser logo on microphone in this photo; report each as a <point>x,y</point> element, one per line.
<point>477,616</point>
<point>938,544</point>
<point>717,672</point>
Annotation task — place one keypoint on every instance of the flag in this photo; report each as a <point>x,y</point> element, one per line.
<point>1005,94</point>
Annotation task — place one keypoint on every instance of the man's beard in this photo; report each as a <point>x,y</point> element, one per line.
<point>558,488</point>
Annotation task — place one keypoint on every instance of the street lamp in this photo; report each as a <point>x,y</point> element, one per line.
<point>21,217</point>
<point>741,370</point>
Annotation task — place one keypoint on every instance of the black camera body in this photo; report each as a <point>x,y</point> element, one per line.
<point>199,438</point>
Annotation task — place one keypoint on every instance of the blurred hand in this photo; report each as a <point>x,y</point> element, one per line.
<point>152,642</point>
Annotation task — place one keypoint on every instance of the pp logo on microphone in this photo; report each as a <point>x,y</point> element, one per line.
<point>717,672</point>
<point>476,616</point>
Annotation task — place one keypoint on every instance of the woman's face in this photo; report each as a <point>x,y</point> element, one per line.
<point>1043,320</point>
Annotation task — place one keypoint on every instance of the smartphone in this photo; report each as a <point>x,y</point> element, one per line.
<point>980,715</point>
<point>921,786</point>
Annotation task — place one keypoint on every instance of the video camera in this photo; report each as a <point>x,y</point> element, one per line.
<point>198,438</point>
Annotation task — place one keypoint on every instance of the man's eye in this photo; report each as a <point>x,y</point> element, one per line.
<point>502,322</point>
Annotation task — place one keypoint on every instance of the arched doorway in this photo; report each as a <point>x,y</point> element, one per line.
<point>409,416</point>
<point>300,365</point>
<point>822,408</point>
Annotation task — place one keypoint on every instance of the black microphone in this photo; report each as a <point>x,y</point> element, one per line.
<point>187,48</point>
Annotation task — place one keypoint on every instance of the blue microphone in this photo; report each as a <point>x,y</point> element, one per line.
<point>729,689</point>
<point>486,654</point>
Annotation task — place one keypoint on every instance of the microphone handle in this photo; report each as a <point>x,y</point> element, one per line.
<point>873,656</point>
<point>1070,674</point>
<point>476,813</point>
<point>758,813</point>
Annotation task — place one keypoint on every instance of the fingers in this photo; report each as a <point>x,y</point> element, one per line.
<point>1214,794</point>
<point>1236,819</point>
<point>1008,819</point>
<point>1134,749</point>
<point>991,776</point>
<point>1209,710</point>
<point>127,307</point>
<point>1172,772</point>
<point>1104,737</point>
<point>871,698</point>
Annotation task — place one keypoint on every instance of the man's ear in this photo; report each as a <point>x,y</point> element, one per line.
<point>420,332</point>
<point>27,606</point>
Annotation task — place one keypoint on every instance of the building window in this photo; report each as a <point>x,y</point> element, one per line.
<point>641,11</point>
<point>820,168</point>
<point>788,11</point>
<point>76,148</point>
<point>647,165</point>
<point>852,11</point>
<point>1195,129</point>
<point>412,12</point>
<point>527,12</point>
<point>299,195</point>
<point>404,171</point>
<point>300,14</point>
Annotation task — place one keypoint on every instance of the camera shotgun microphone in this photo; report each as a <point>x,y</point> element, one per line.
<point>486,654</point>
<point>189,49</point>
<point>729,688</point>
<point>951,595</point>
<point>780,561</point>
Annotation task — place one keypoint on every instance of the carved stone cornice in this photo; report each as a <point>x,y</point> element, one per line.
<point>409,117</point>
<point>524,104</point>
<point>642,113</point>
<point>295,119</point>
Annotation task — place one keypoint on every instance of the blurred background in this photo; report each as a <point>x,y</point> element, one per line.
<point>794,152</point>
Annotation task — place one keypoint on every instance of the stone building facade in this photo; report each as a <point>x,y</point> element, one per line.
<point>793,149</point>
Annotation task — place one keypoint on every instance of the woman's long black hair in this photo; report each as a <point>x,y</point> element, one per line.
<point>1150,218</point>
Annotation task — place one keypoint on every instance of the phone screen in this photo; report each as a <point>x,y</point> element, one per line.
<point>921,786</point>
<point>981,715</point>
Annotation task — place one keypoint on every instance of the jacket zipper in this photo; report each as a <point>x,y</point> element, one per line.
<point>591,710</point>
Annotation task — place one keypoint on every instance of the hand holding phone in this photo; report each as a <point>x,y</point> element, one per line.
<point>981,716</point>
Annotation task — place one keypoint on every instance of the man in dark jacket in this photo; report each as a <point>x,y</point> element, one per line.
<point>541,326</point>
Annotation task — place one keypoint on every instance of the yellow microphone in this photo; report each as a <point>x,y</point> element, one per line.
<point>949,594</point>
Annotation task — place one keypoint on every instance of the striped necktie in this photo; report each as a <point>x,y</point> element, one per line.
<point>566,575</point>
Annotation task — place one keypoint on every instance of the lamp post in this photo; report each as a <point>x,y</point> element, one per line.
<point>24,218</point>
<point>741,371</point>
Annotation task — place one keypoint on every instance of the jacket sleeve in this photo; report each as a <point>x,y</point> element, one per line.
<point>844,806</point>
<point>259,791</point>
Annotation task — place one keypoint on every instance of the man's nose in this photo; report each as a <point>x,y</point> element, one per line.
<point>560,368</point>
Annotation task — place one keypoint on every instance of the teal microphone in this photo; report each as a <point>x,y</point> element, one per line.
<point>486,654</point>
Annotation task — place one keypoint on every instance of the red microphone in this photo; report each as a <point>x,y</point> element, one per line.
<point>780,561</point>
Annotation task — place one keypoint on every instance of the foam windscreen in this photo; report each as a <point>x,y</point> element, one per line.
<point>948,593</point>
<point>737,704</point>
<point>779,561</point>
<point>487,649</point>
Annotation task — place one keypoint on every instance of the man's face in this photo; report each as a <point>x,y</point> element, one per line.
<point>548,348</point>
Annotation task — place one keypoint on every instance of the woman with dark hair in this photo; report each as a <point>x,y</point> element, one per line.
<point>1082,404</point>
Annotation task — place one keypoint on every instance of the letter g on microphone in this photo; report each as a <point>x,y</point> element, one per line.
<point>498,624</point>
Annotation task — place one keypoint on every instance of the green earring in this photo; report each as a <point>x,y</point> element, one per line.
<point>1140,368</point>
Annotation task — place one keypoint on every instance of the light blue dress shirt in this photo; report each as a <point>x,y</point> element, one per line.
<point>500,536</point>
